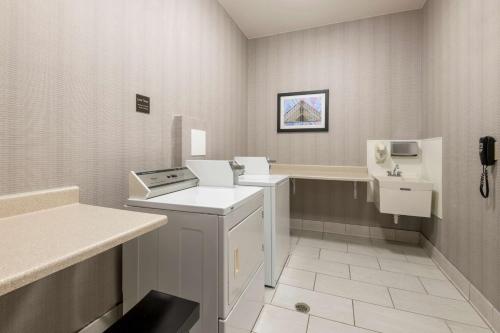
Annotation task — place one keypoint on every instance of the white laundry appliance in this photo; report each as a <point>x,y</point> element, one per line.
<point>276,213</point>
<point>211,250</point>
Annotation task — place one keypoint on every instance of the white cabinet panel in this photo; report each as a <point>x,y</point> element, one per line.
<point>282,227</point>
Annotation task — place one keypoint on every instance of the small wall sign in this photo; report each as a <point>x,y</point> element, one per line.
<point>142,103</point>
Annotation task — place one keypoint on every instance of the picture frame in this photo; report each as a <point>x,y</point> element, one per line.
<point>303,111</point>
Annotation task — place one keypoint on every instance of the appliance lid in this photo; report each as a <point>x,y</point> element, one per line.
<point>201,199</point>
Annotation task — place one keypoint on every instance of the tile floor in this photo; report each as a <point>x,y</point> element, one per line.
<point>357,285</point>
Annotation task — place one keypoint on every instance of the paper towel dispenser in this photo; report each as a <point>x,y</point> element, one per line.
<point>404,148</point>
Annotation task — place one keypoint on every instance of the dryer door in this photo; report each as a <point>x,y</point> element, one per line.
<point>245,253</point>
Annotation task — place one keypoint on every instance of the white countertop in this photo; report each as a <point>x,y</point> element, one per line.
<point>322,172</point>
<point>261,180</point>
<point>47,237</point>
<point>201,199</point>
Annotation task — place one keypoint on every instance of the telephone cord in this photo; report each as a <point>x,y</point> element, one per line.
<point>484,186</point>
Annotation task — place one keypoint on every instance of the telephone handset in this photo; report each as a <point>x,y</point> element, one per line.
<point>487,156</point>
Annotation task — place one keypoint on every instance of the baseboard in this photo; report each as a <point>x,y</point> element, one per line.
<point>489,313</point>
<point>102,323</point>
<point>398,235</point>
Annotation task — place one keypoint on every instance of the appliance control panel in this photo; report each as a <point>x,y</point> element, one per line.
<point>158,178</point>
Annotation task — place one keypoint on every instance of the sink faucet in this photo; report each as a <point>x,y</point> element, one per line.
<point>394,173</point>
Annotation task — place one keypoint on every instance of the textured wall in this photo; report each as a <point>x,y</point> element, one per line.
<point>68,77</point>
<point>461,102</point>
<point>69,72</point>
<point>373,70</point>
<point>65,301</point>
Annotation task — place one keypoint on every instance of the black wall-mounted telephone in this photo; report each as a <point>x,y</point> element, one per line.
<point>487,156</point>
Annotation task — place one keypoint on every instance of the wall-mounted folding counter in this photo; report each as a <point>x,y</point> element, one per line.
<point>323,172</point>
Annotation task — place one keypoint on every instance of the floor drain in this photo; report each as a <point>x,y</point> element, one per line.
<point>302,307</point>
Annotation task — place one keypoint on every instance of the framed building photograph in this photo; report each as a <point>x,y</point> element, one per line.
<point>305,111</point>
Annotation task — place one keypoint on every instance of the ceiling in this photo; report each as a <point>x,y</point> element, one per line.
<point>260,18</point>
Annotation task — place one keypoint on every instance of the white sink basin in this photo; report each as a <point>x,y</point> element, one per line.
<point>403,196</point>
<point>413,184</point>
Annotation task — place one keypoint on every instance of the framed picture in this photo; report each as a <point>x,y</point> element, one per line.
<point>305,111</point>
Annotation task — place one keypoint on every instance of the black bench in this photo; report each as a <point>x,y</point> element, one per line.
<point>158,313</point>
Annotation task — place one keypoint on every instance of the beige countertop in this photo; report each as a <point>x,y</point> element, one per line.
<point>50,231</point>
<point>322,172</point>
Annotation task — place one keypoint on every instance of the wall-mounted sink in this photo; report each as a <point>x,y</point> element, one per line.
<point>403,196</point>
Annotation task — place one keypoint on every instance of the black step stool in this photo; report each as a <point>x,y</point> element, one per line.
<point>158,313</point>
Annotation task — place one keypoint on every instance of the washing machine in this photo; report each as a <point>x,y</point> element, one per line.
<point>276,213</point>
<point>210,251</point>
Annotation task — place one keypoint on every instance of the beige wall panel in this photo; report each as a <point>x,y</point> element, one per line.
<point>69,72</point>
<point>461,98</point>
<point>373,70</point>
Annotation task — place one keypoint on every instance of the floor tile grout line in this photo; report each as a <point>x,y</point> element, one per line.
<point>343,263</point>
<point>283,308</point>
<point>448,321</point>
<point>314,315</point>
<point>388,288</point>
<point>308,320</point>
<point>339,322</point>
<point>448,326</point>
<point>348,252</point>
<point>274,293</point>
<point>449,279</point>
<point>353,314</point>
<point>425,315</point>
<point>403,245</point>
<point>476,310</point>
<point>434,296</point>
<point>419,278</point>
<point>385,286</point>
<point>390,296</point>
<point>423,286</point>
<point>384,270</point>
<point>381,269</point>
<point>258,318</point>
<point>363,237</point>
<point>382,306</point>
<point>399,272</point>
<point>291,285</point>
<point>378,262</point>
<point>365,282</point>
<point>333,262</point>
<point>329,294</point>
<point>403,253</point>
<point>322,247</point>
